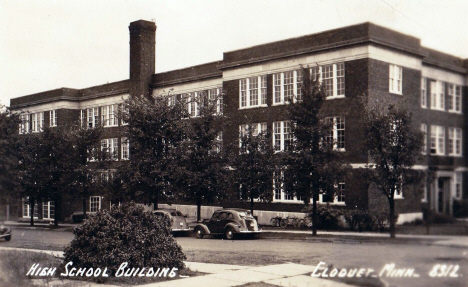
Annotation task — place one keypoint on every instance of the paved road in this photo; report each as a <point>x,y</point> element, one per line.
<point>351,254</point>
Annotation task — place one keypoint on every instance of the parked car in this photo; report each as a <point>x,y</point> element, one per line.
<point>178,222</point>
<point>5,232</point>
<point>230,222</point>
<point>78,216</point>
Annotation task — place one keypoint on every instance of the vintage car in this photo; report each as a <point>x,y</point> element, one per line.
<point>178,223</point>
<point>230,222</point>
<point>5,232</point>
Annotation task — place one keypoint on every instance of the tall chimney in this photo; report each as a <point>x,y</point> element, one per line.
<point>142,56</point>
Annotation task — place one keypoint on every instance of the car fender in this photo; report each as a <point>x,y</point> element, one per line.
<point>233,226</point>
<point>204,227</point>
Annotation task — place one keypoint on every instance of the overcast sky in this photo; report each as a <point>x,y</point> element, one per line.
<point>47,44</point>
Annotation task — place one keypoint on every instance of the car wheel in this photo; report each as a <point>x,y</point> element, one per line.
<point>8,238</point>
<point>199,233</point>
<point>229,233</point>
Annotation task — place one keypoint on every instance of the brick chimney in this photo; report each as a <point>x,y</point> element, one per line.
<point>142,56</point>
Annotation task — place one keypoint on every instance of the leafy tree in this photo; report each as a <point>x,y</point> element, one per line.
<point>8,158</point>
<point>86,160</point>
<point>312,165</point>
<point>253,165</point>
<point>202,169</point>
<point>154,131</point>
<point>394,145</point>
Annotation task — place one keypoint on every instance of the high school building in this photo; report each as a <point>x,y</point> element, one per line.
<point>360,61</point>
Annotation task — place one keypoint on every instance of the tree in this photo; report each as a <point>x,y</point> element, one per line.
<point>394,145</point>
<point>313,164</point>
<point>202,165</point>
<point>155,130</point>
<point>86,160</point>
<point>253,165</point>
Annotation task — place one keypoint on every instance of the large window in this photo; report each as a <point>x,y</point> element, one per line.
<point>437,95</point>
<point>257,128</point>
<point>110,148</point>
<point>48,210</point>
<point>94,203</point>
<point>216,95</point>
<point>282,138</point>
<point>109,115</point>
<point>125,149</point>
<point>395,79</point>
<point>423,92</point>
<point>437,140</point>
<point>455,141</point>
<point>24,124</point>
<point>287,86</point>
<point>454,98</point>
<point>424,131</point>
<point>280,192</point>
<point>336,137</point>
<point>37,120</point>
<point>253,92</point>
<point>53,118</point>
<point>93,117</point>
<point>27,208</point>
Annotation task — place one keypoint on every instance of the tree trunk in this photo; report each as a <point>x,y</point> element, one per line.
<point>392,217</point>
<point>84,208</point>
<point>31,209</point>
<point>314,214</point>
<point>251,205</point>
<point>156,202</point>
<point>198,210</point>
<point>57,209</point>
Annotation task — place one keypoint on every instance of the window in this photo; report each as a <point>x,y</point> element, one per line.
<point>37,122</point>
<point>24,124</point>
<point>124,111</point>
<point>94,203</point>
<point>395,79</point>
<point>191,103</point>
<point>109,115</point>
<point>340,192</point>
<point>125,149</point>
<point>437,140</point>
<point>48,210</point>
<point>425,196</point>
<point>216,95</point>
<point>218,143</point>
<point>171,100</point>
<point>437,95</point>
<point>423,92</point>
<point>458,185</point>
<point>257,128</point>
<point>424,131</point>
<point>27,208</point>
<point>53,118</point>
<point>93,117</point>
<point>455,141</point>
<point>337,134</point>
<point>279,189</point>
<point>253,92</point>
<point>282,138</point>
<point>299,80</point>
<point>454,98</point>
<point>109,148</point>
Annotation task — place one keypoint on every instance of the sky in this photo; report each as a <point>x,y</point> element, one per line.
<point>49,44</point>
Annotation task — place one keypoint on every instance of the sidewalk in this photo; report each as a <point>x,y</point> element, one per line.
<point>223,275</point>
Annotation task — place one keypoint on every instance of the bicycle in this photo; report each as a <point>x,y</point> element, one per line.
<point>279,221</point>
<point>305,223</point>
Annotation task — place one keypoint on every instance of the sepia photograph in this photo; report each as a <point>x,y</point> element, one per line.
<point>233,143</point>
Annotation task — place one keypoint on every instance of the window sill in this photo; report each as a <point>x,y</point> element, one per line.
<point>455,112</point>
<point>253,107</point>
<point>456,155</point>
<point>435,154</point>
<point>396,93</point>
<point>279,104</point>
<point>438,109</point>
<point>335,97</point>
<point>333,203</point>
<point>109,126</point>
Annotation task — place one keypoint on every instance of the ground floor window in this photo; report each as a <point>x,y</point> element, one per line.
<point>27,208</point>
<point>48,210</point>
<point>94,203</point>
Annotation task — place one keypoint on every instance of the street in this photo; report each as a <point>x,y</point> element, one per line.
<point>353,254</point>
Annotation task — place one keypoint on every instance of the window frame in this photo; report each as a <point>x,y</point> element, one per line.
<point>93,200</point>
<point>424,130</point>
<point>424,92</point>
<point>283,136</point>
<point>395,79</point>
<point>454,98</point>
<point>438,141</point>
<point>53,118</point>
<point>455,141</point>
<point>125,149</point>
<point>246,89</point>
<point>335,136</point>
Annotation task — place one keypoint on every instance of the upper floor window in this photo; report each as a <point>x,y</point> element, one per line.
<point>437,95</point>
<point>109,115</point>
<point>24,125</point>
<point>125,149</point>
<point>395,79</point>
<point>256,129</point>
<point>253,92</point>
<point>110,148</point>
<point>332,78</point>
<point>423,92</point>
<point>124,110</point>
<point>455,141</point>
<point>37,120</point>
<point>437,140</point>
<point>336,137</point>
<point>454,98</point>
<point>286,86</point>
<point>93,117</point>
<point>215,96</point>
<point>191,103</point>
<point>424,131</point>
<point>53,118</point>
<point>282,138</point>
